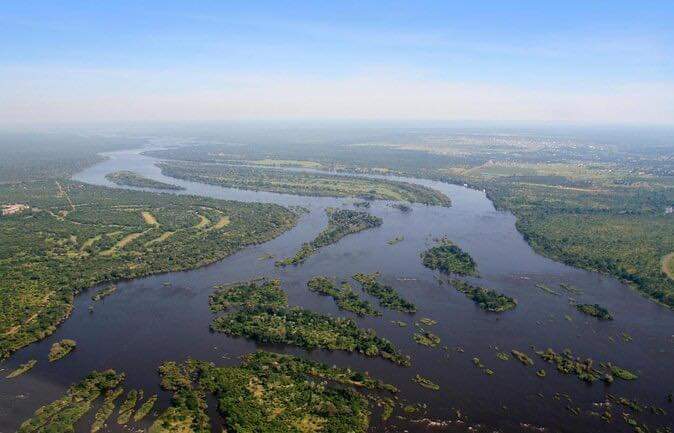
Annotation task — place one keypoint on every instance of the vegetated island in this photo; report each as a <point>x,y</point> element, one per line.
<point>585,369</point>
<point>104,292</point>
<point>595,310</point>
<point>21,369</point>
<point>62,414</point>
<point>255,293</point>
<point>302,183</point>
<point>75,236</point>
<point>426,383</point>
<point>276,322</point>
<point>426,338</point>
<point>130,178</point>
<point>387,295</point>
<point>487,299</point>
<point>341,222</point>
<point>61,348</point>
<point>108,406</point>
<point>269,393</point>
<point>449,259</point>
<point>344,296</point>
<point>587,206</point>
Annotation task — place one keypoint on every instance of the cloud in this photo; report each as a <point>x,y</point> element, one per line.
<point>61,95</point>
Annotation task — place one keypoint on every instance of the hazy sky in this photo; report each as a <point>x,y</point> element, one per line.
<point>576,61</point>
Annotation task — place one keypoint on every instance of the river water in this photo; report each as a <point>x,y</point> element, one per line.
<point>166,317</point>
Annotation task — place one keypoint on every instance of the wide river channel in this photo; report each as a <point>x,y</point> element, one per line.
<point>166,317</point>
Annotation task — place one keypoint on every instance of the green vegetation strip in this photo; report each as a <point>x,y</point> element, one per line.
<point>487,299</point>
<point>387,295</point>
<point>426,338</point>
<point>341,222</point>
<point>62,414</point>
<point>450,259</point>
<point>302,183</point>
<point>107,408</point>
<point>74,236</point>
<point>344,296</point>
<point>595,310</point>
<point>130,178</point>
<point>21,369</point>
<point>426,383</point>
<point>306,329</point>
<point>104,292</point>
<point>267,393</point>
<point>127,407</point>
<point>145,408</point>
<point>585,369</point>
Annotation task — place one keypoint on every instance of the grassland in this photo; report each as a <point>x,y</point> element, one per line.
<point>268,393</point>
<point>74,236</point>
<point>341,222</point>
<point>130,178</point>
<point>302,183</point>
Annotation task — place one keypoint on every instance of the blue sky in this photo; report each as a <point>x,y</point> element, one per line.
<point>571,61</point>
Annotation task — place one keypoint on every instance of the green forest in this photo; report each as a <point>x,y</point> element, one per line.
<point>263,315</point>
<point>450,259</point>
<point>268,393</point>
<point>71,236</point>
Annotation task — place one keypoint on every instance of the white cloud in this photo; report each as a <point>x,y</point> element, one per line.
<point>53,95</point>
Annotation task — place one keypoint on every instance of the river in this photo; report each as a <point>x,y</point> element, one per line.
<point>166,317</point>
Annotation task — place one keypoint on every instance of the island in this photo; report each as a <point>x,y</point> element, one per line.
<point>130,178</point>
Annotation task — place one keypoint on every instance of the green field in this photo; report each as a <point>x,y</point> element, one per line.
<point>72,236</point>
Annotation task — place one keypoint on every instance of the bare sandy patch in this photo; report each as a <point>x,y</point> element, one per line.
<point>668,265</point>
<point>149,219</point>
